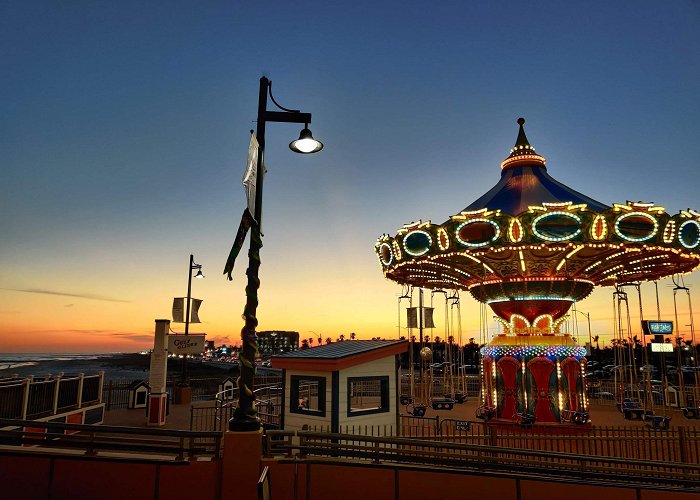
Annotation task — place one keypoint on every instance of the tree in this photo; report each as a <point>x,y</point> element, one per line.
<point>328,340</point>
<point>305,344</point>
<point>311,341</point>
<point>352,336</point>
<point>341,338</point>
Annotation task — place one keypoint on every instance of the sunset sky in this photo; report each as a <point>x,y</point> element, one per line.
<point>125,125</point>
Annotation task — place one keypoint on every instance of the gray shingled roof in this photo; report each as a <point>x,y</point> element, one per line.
<point>337,350</point>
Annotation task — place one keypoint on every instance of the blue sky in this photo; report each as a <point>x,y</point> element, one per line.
<point>125,126</point>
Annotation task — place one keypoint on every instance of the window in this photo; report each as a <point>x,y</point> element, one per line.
<point>367,395</point>
<point>307,395</point>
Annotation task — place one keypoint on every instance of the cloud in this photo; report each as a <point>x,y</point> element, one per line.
<point>69,305</point>
<point>90,296</point>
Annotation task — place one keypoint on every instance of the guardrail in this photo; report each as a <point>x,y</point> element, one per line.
<point>31,398</point>
<point>215,417</point>
<point>103,440</point>
<point>305,445</point>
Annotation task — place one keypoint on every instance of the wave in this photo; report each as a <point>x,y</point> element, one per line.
<point>11,366</point>
<point>17,358</point>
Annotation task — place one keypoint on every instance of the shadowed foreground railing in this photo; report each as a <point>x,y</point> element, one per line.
<point>309,445</point>
<point>41,397</point>
<point>105,440</point>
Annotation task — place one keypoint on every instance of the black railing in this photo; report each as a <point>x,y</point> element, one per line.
<point>104,440</point>
<point>306,445</point>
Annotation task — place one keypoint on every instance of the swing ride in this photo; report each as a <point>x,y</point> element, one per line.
<point>530,248</point>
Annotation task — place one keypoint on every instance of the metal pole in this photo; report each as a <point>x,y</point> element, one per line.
<point>185,375</point>
<point>245,415</point>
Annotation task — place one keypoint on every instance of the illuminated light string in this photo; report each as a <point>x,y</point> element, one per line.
<point>515,230</point>
<point>442,235</point>
<point>533,351</point>
<point>669,231</point>
<point>682,241</point>
<point>639,238</point>
<point>599,221</point>
<point>481,243</point>
<point>390,259</point>
<point>424,250</point>
<point>548,215</point>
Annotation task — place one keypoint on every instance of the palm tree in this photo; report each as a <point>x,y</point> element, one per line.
<point>596,339</point>
<point>341,338</point>
<point>304,344</point>
<point>311,341</point>
<point>328,340</point>
<point>352,336</point>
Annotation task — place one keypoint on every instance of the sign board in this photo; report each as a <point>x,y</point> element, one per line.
<point>650,327</point>
<point>661,347</point>
<point>463,425</point>
<point>186,344</point>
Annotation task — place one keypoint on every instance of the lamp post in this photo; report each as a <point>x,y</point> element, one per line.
<point>245,416</point>
<point>192,266</point>
<point>588,317</point>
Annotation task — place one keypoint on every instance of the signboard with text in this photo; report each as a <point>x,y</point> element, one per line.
<point>186,344</point>
<point>650,327</point>
<point>661,347</point>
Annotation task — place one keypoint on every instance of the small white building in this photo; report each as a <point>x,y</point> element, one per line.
<point>342,385</point>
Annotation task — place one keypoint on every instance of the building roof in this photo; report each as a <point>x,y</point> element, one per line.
<point>525,182</point>
<point>338,355</point>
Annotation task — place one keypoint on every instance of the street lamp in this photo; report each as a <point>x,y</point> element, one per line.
<point>199,275</point>
<point>245,416</point>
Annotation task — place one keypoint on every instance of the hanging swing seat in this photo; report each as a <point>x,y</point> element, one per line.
<point>525,419</point>
<point>485,412</point>
<point>691,412</point>
<point>657,422</point>
<point>442,404</point>
<point>459,397</point>
<point>631,409</point>
<point>405,399</point>
<point>575,417</point>
<point>417,410</point>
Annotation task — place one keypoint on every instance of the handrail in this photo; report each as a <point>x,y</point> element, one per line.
<point>94,438</point>
<point>410,450</point>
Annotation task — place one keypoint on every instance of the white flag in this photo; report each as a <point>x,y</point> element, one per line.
<point>194,316</point>
<point>178,306</point>
<point>250,176</point>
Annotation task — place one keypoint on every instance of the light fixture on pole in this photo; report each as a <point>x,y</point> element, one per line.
<point>245,416</point>
<point>199,275</point>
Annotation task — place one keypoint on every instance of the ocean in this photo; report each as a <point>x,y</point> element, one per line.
<point>115,365</point>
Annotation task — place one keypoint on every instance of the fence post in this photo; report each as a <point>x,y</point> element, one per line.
<point>80,390</point>
<point>25,397</point>
<point>681,444</point>
<point>101,385</point>
<point>57,387</point>
<point>109,395</point>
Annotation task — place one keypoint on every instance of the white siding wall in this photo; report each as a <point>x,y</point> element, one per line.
<point>379,368</point>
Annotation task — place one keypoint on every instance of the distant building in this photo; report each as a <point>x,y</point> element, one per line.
<point>277,342</point>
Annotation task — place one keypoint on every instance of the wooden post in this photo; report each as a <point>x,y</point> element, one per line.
<point>101,386</point>
<point>241,464</point>
<point>25,397</point>
<point>682,442</point>
<point>57,387</point>
<point>109,395</point>
<point>80,390</point>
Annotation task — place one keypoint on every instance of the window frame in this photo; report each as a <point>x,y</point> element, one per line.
<point>385,401</point>
<point>294,395</point>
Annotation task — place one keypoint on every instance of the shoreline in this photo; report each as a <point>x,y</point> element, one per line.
<point>119,366</point>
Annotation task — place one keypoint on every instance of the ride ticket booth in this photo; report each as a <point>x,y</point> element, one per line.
<point>340,385</point>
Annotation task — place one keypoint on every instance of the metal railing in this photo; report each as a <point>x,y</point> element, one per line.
<point>306,445</point>
<point>32,398</point>
<point>104,440</point>
<point>216,416</point>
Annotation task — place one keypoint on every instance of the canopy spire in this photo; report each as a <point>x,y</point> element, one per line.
<point>522,152</point>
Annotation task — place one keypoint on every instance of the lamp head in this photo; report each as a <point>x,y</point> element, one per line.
<point>306,143</point>
<point>199,274</point>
